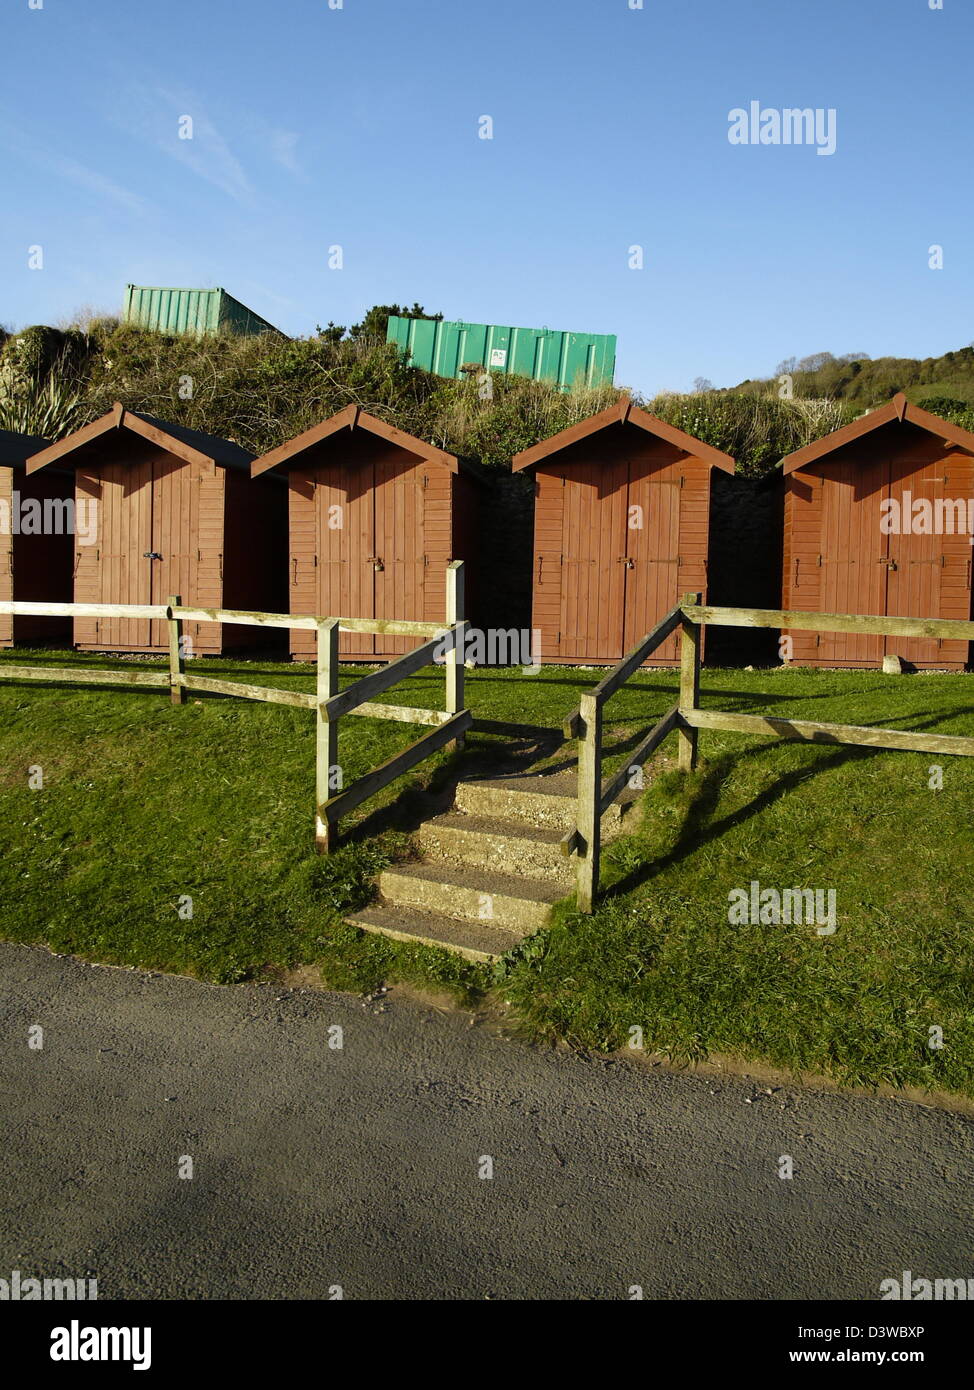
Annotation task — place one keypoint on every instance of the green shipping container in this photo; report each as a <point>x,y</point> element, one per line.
<point>200,312</point>
<point>570,359</point>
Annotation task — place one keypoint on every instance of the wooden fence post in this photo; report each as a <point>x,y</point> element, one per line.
<point>589,801</point>
<point>177,662</point>
<point>454,661</point>
<point>689,684</point>
<point>326,732</point>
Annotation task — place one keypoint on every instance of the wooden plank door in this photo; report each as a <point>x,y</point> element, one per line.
<point>855,556</point>
<point>593,573</point>
<point>399,551</point>
<point>174,533</point>
<point>115,569</point>
<point>652,572</point>
<point>925,566</point>
<point>345,531</point>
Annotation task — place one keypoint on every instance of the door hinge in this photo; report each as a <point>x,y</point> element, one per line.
<point>558,639</point>
<point>426,481</point>
<point>681,480</point>
<point>818,639</point>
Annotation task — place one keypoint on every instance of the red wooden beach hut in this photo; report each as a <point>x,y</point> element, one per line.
<point>877,521</point>
<point>176,513</point>
<point>621,531</point>
<point>375,515</point>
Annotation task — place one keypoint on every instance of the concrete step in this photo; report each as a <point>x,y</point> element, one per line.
<point>528,850</point>
<point>523,801</point>
<point>511,903</point>
<point>477,941</point>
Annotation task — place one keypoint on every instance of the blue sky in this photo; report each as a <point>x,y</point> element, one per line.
<point>358,127</point>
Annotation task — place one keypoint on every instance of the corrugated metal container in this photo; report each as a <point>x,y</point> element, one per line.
<point>190,311</point>
<point>570,359</point>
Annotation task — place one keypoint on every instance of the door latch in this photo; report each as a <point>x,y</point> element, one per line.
<point>376,562</point>
<point>628,561</point>
<point>151,555</point>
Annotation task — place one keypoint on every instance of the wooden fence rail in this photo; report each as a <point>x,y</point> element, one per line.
<point>445,642</point>
<point>686,717</point>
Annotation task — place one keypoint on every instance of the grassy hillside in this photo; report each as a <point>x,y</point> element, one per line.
<point>943,384</point>
<point>262,391</point>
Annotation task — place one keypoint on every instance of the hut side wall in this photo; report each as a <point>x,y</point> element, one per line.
<point>35,567</point>
<point>255,555</point>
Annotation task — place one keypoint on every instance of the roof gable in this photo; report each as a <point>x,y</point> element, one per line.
<point>193,446</point>
<point>623,413</point>
<point>900,411</point>
<point>352,417</point>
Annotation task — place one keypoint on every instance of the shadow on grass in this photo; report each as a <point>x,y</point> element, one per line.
<point>698,829</point>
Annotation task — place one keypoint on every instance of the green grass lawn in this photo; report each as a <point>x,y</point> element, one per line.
<point>145,804</point>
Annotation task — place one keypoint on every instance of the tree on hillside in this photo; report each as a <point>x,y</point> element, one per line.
<point>376,321</point>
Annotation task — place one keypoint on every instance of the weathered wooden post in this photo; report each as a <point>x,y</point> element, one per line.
<point>177,662</point>
<point>589,798</point>
<point>454,661</point>
<point>689,684</point>
<point>326,732</point>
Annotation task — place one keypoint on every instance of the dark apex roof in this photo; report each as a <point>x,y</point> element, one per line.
<point>15,448</point>
<point>222,451</point>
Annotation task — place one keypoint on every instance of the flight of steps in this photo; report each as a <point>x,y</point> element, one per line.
<point>492,866</point>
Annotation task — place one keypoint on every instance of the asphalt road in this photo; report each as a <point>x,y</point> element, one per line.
<point>360,1167</point>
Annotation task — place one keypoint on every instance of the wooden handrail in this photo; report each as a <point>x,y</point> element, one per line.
<point>378,681</point>
<point>944,628</point>
<point>687,718</point>
<point>621,672</point>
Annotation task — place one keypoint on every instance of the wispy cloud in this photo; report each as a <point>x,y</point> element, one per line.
<point>283,147</point>
<point>96,183</point>
<point>207,153</point>
<point>62,166</point>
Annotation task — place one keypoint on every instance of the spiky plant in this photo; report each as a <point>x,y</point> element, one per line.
<point>50,409</point>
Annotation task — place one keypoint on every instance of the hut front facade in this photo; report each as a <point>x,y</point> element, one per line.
<point>622,524</point>
<point>175,512</point>
<point>876,521</point>
<point>375,516</point>
<point>36,541</point>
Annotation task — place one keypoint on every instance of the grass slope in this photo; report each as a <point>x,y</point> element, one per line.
<point>144,803</point>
